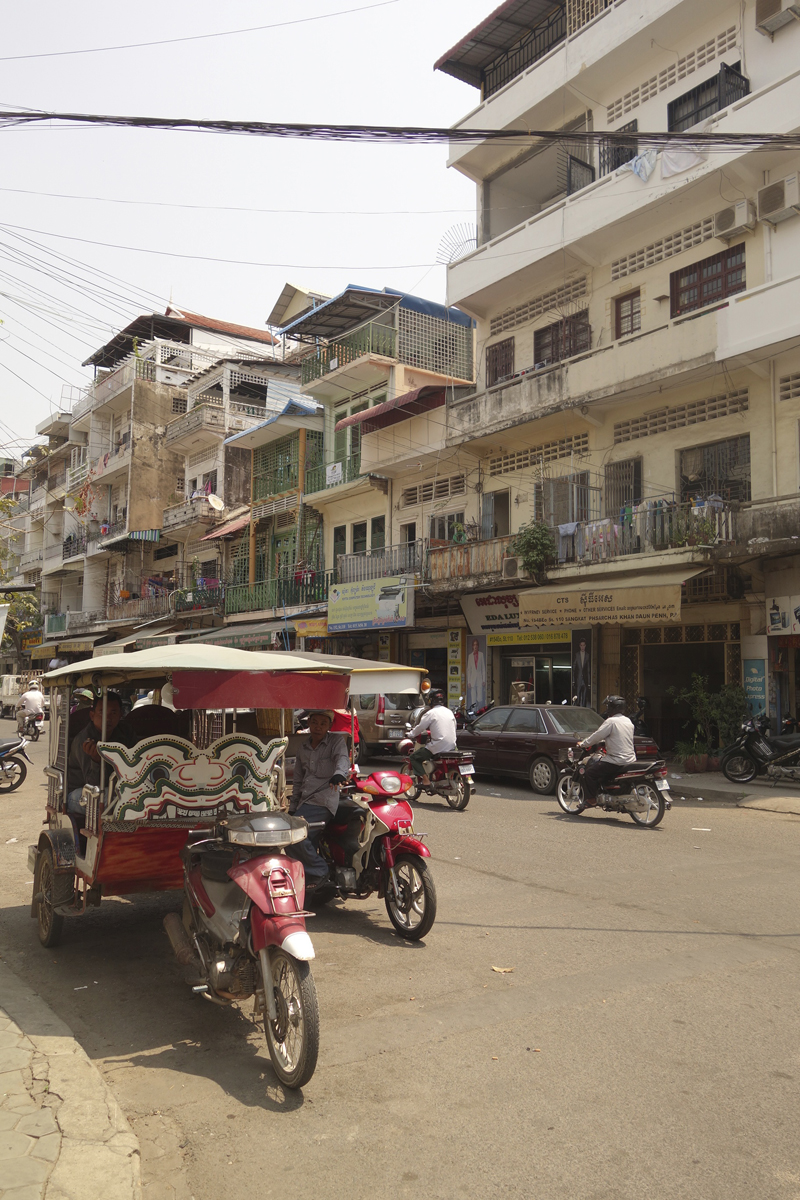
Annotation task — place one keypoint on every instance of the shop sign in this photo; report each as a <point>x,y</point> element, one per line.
<point>783,615</point>
<point>3,614</point>
<point>372,604</point>
<point>598,606</point>
<point>529,637</point>
<point>496,612</point>
<point>318,627</point>
<point>455,667</point>
<point>755,685</point>
<point>30,640</point>
<point>333,474</point>
<point>384,647</point>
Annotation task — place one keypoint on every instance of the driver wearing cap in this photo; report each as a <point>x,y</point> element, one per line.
<point>321,767</point>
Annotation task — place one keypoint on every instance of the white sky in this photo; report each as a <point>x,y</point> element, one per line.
<point>373,67</point>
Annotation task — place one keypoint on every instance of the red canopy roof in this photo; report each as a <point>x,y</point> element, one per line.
<point>400,409</point>
<point>229,527</point>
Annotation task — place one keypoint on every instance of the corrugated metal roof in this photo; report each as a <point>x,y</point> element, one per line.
<point>501,30</point>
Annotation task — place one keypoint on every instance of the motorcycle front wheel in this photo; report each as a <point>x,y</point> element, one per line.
<point>413,910</point>
<point>293,1038</point>
<point>12,774</point>
<point>458,791</point>
<point>570,796</point>
<point>656,807</point>
<point>739,767</point>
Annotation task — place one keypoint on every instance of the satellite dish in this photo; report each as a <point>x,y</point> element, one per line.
<point>458,241</point>
<point>215,502</point>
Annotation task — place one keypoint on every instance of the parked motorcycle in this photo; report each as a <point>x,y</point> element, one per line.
<point>451,777</point>
<point>464,715</point>
<point>32,726</point>
<point>758,752</point>
<point>243,932</point>
<point>12,768</point>
<point>641,791</point>
<point>371,847</point>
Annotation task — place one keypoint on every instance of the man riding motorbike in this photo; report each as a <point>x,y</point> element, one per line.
<point>321,767</point>
<point>30,704</point>
<point>617,733</point>
<point>441,722</point>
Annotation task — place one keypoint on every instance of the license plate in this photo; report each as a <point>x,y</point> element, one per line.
<point>395,733</point>
<point>662,785</point>
<point>466,770</point>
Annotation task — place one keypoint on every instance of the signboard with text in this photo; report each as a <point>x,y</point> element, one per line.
<point>372,604</point>
<point>755,685</point>
<point>613,605</point>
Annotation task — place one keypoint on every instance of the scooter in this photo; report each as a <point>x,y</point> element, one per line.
<point>464,716</point>
<point>33,725</point>
<point>641,791</point>
<point>451,777</point>
<point>758,752</point>
<point>13,771</point>
<point>243,932</point>
<point>371,847</point>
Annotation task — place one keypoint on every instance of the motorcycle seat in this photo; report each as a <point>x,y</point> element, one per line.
<point>786,741</point>
<point>454,754</point>
<point>8,744</point>
<point>635,771</point>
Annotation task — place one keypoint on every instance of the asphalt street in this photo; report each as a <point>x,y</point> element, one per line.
<point>641,1038</point>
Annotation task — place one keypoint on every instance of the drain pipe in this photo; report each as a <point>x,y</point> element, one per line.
<point>773,391</point>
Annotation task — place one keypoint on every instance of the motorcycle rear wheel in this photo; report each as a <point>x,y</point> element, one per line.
<point>570,796</point>
<point>656,807</point>
<point>414,912</point>
<point>459,791</point>
<point>293,1039</point>
<point>12,774</point>
<point>739,767</point>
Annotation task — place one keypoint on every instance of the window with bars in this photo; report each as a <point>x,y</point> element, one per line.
<point>377,536</point>
<point>623,485</point>
<point>499,361</point>
<point>709,97</point>
<point>563,500</point>
<point>719,469</point>
<point>628,314</point>
<point>614,153</point>
<point>433,489</point>
<point>562,339</point>
<point>275,467</point>
<point>708,281</point>
<point>579,174</point>
<point>339,541</point>
<point>443,526</point>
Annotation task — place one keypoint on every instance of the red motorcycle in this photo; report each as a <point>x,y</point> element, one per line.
<point>451,777</point>
<point>371,847</point>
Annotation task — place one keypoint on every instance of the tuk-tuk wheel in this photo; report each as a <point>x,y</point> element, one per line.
<point>49,923</point>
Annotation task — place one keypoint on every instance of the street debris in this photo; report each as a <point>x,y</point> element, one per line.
<point>503,970</point>
<point>699,829</point>
<point>10,840</point>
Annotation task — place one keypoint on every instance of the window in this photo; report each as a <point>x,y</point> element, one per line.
<point>628,314</point>
<point>210,482</point>
<point>563,500</point>
<point>366,702</point>
<point>707,98</point>
<point>377,533</point>
<point>499,361</point>
<point>707,281</point>
<point>614,154</point>
<point>525,720</point>
<point>165,552</point>
<point>491,722</point>
<point>180,485</point>
<point>339,541</point>
<point>444,528</point>
<point>561,340</point>
<point>579,174</point>
<point>495,515</point>
<point>359,537</point>
<point>408,532</point>
<point>623,485</point>
<point>719,469</point>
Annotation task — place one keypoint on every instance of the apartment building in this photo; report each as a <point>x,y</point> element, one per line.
<point>638,349</point>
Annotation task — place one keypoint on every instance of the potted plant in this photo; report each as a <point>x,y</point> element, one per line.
<point>535,545</point>
<point>691,757</point>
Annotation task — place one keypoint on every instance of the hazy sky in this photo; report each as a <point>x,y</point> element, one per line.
<point>361,213</point>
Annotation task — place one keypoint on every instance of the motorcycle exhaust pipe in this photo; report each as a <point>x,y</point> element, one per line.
<point>179,940</point>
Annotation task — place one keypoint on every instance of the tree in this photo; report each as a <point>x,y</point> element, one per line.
<point>24,616</point>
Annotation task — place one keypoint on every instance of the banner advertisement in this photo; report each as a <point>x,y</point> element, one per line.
<point>476,671</point>
<point>783,615</point>
<point>455,667</point>
<point>315,627</point>
<point>755,685</point>
<point>657,605</point>
<point>372,604</point>
<point>3,614</point>
<point>529,637</point>
<point>497,612</point>
<point>29,640</point>
<point>582,667</point>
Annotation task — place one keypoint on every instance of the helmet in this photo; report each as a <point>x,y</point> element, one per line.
<point>613,705</point>
<point>436,697</point>
<point>34,683</point>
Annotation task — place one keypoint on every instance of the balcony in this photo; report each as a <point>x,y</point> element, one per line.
<point>165,362</point>
<point>85,621</point>
<point>188,514</point>
<point>74,546</point>
<point>652,526</point>
<point>200,599</point>
<point>117,459</point>
<point>55,623</point>
<point>469,560</point>
<point>406,559</point>
<point>77,476</point>
<point>30,558</point>
<point>188,430</point>
<point>329,475</point>
<point>308,588</point>
<point>369,341</point>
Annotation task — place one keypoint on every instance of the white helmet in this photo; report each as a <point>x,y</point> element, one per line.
<point>34,683</point>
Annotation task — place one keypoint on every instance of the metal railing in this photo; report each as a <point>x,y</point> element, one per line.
<point>532,46</point>
<point>74,545</point>
<point>200,598</point>
<point>370,339</point>
<point>645,528</point>
<point>328,475</point>
<point>467,559</point>
<point>308,587</point>
<point>406,559</point>
<point>140,606</point>
<point>188,513</point>
<point>112,529</point>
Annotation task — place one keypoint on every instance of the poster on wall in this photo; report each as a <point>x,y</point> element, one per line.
<point>372,604</point>
<point>582,667</point>
<point>476,672</point>
<point>755,685</point>
<point>779,615</point>
<point>455,669</point>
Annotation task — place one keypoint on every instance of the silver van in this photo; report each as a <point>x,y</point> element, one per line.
<point>382,720</point>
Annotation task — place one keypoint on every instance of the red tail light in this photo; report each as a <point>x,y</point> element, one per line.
<point>379,717</point>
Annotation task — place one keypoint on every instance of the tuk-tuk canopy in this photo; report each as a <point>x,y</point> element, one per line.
<point>205,676</point>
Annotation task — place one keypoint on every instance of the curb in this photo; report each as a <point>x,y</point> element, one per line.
<point>778,804</point>
<point>63,1134</point>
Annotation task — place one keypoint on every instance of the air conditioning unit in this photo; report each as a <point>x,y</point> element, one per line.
<point>780,200</point>
<point>739,218</point>
<point>513,569</point>
<point>771,15</point>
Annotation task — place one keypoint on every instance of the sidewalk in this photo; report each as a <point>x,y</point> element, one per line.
<point>62,1133</point>
<point>712,787</point>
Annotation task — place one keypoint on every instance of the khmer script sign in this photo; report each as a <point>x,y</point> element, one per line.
<point>644,605</point>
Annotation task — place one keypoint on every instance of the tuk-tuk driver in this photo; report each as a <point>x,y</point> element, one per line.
<point>320,768</point>
<point>83,765</point>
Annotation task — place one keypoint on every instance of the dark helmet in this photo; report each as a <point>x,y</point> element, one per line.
<point>613,705</point>
<point>436,697</point>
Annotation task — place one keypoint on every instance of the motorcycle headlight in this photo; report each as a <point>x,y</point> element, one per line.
<point>390,784</point>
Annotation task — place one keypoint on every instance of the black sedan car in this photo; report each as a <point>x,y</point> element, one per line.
<point>525,739</point>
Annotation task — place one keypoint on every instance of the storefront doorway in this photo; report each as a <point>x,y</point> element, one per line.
<point>549,674</point>
<point>673,666</point>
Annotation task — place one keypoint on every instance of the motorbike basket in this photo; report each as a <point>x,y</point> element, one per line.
<point>264,829</point>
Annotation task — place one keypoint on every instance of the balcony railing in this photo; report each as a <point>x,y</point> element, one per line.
<point>81,621</point>
<point>406,559</point>
<point>307,588</point>
<point>77,476</point>
<point>202,416</point>
<point>276,482</point>
<point>329,475</point>
<point>649,526</point>
<point>371,339</point>
<point>468,559</point>
<point>29,557</point>
<point>188,513</point>
<point>200,598</point>
<point>74,545</point>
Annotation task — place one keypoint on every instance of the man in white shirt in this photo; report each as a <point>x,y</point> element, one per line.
<point>30,703</point>
<point>441,721</point>
<point>617,733</point>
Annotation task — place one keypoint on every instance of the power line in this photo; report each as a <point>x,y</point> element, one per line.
<point>197,37</point>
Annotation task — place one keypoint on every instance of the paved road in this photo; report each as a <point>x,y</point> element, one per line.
<point>645,1043</point>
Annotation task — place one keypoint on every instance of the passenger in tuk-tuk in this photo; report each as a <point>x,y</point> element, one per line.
<point>83,766</point>
<point>321,767</point>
